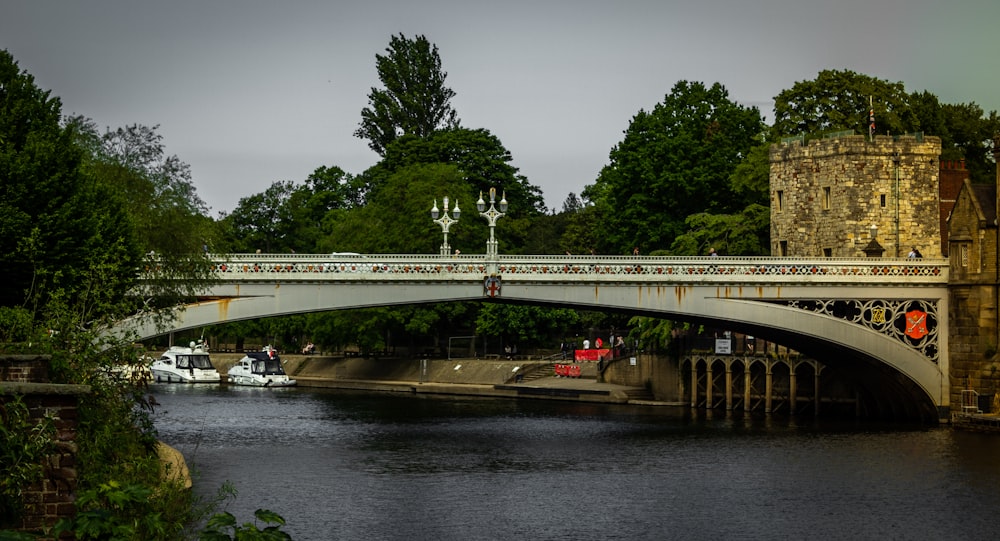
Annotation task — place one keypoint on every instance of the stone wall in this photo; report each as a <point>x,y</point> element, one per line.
<point>974,294</point>
<point>52,498</point>
<point>658,373</point>
<point>826,195</point>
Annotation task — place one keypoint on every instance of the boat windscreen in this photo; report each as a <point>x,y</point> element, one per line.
<point>194,361</point>
<point>269,367</point>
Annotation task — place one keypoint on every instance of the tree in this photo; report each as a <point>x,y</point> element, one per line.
<point>414,100</point>
<point>60,233</point>
<point>478,154</point>
<point>841,100</point>
<point>746,233</point>
<point>525,325</point>
<point>572,203</point>
<point>169,218</point>
<point>262,221</point>
<point>674,161</point>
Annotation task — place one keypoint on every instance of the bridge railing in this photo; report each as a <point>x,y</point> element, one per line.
<point>547,268</point>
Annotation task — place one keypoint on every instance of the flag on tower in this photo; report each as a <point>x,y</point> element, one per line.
<point>871,120</point>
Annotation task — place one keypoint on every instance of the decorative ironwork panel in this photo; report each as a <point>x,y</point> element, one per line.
<point>911,322</point>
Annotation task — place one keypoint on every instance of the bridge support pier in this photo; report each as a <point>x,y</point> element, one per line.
<point>746,389</point>
<point>791,391</point>
<point>729,387</point>
<point>694,385</point>
<point>768,388</point>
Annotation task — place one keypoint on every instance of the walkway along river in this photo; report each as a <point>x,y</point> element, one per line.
<point>341,464</point>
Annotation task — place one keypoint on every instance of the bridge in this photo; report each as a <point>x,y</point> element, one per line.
<point>866,314</point>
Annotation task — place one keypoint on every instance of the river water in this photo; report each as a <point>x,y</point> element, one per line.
<point>346,466</point>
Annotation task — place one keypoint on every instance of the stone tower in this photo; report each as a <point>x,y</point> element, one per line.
<point>827,195</point>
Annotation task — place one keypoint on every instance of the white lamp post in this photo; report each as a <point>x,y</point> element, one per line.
<point>492,215</point>
<point>445,222</point>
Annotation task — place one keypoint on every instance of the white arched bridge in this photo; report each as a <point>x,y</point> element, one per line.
<point>890,313</point>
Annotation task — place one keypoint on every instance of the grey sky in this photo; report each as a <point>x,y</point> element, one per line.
<point>251,92</point>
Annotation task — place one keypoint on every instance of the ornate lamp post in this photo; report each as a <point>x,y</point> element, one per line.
<point>492,215</point>
<point>445,222</point>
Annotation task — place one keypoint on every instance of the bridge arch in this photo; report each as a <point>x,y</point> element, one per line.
<point>847,313</point>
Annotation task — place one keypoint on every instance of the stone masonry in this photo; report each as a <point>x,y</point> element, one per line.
<point>974,291</point>
<point>827,194</point>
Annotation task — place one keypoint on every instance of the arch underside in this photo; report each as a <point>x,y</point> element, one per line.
<point>858,351</point>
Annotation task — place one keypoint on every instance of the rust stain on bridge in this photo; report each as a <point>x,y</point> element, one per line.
<point>224,308</point>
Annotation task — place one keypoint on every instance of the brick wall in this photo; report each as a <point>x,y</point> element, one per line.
<point>52,498</point>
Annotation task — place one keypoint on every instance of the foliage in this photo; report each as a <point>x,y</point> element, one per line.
<point>221,524</point>
<point>414,100</point>
<point>751,179</point>
<point>52,219</point>
<point>24,445</point>
<point>397,218</point>
<point>525,325</point>
<point>291,217</point>
<point>10,535</point>
<point>263,221</point>
<point>130,511</point>
<point>74,230</point>
<point>482,158</point>
<point>746,233</point>
<point>674,161</point>
<point>841,100</point>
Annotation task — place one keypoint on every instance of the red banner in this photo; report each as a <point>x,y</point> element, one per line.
<point>591,354</point>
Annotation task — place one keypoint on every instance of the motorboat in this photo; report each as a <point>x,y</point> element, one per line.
<point>185,365</point>
<point>260,369</point>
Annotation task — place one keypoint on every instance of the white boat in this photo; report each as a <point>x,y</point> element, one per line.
<point>260,369</point>
<point>185,365</point>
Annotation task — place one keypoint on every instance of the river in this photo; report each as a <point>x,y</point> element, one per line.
<point>344,466</point>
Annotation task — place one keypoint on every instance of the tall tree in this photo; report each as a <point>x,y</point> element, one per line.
<point>57,227</point>
<point>478,154</point>
<point>675,160</point>
<point>415,100</point>
<point>156,188</point>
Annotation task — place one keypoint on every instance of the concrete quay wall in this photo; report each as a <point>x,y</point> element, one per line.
<point>458,377</point>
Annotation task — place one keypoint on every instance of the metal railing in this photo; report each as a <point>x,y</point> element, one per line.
<point>724,270</point>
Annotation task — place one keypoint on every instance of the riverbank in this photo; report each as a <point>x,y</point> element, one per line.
<point>500,378</point>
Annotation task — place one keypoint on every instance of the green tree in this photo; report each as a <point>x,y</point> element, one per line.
<point>674,161</point>
<point>156,191</point>
<point>396,219</point>
<point>262,221</point>
<point>526,325</point>
<point>415,100</point>
<point>56,226</point>
<point>478,154</point>
<point>746,233</point>
<point>841,100</point>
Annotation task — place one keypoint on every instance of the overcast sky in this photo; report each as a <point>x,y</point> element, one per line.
<point>249,92</point>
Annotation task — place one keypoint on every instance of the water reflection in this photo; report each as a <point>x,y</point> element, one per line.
<point>342,465</point>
